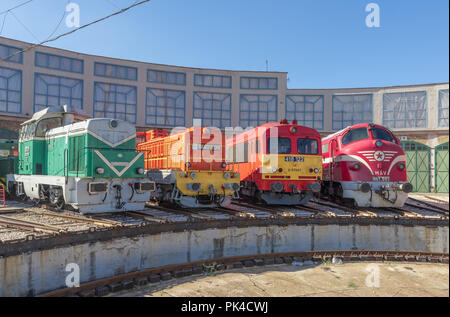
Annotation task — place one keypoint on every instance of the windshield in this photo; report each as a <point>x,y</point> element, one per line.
<point>355,135</point>
<point>307,146</point>
<point>383,134</point>
<point>279,146</point>
<point>46,125</point>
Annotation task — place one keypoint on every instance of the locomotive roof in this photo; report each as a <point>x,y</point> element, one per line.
<point>269,125</point>
<point>99,128</point>
<point>51,111</point>
<point>359,125</point>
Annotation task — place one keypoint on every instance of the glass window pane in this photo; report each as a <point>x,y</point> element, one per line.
<point>10,90</point>
<point>306,109</point>
<point>407,109</point>
<point>355,135</point>
<point>351,109</point>
<point>121,101</point>
<point>166,105</point>
<point>115,71</point>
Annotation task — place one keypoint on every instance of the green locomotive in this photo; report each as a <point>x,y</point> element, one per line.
<point>91,164</point>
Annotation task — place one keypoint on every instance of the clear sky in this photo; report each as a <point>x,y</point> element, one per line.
<point>320,43</point>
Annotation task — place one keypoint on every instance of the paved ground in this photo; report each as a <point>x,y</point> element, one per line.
<point>327,280</point>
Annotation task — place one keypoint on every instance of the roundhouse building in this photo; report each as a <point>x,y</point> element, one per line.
<point>164,96</point>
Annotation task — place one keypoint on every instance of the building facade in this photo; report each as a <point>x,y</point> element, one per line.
<point>163,96</point>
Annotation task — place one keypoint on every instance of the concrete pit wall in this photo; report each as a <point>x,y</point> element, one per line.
<point>37,272</point>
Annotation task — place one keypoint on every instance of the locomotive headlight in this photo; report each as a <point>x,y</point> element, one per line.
<point>226,175</point>
<point>378,143</point>
<point>193,175</point>
<point>274,169</point>
<point>140,170</point>
<point>182,175</point>
<point>113,123</point>
<point>99,170</point>
<point>356,166</point>
<point>401,166</point>
<point>224,165</point>
<point>316,170</point>
<point>236,175</point>
<point>236,186</point>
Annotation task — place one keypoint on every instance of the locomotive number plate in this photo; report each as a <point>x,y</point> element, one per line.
<point>381,178</point>
<point>294,159</point>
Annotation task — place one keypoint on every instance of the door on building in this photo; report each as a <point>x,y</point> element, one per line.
<point>441,168</point>
<point>418,165</point>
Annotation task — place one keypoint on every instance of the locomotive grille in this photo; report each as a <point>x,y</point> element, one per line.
<point>144,186</point>
<point>97,187</point>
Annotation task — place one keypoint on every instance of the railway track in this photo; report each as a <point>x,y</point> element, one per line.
<point>155,275</point>
<point>46,221</point>
<point>436,199</point>
<point>430,206</point>
<point>10,222</point>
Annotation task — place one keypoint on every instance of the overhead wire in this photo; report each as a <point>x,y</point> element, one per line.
<point>24,26</point>
<point>76,29</point>
<point>59,23</point>
<point>17,6</point>
<point>3,24</point>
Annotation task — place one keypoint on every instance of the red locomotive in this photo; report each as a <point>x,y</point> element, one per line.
<point>189,167</point>
<point>364,164</point>
<point>279,163</point>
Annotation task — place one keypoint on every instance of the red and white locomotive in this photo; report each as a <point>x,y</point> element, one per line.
<point>365,164</point>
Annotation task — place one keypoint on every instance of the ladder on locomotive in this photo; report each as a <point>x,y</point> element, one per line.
<point>2,195</point>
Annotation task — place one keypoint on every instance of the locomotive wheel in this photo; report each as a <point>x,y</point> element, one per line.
<point>338,193</point>
<point>60,205</point>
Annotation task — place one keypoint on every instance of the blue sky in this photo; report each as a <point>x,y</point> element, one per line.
<point>320,43</point>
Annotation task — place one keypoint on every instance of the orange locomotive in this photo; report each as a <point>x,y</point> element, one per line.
<point>189,167</point>
<point>279,163</point>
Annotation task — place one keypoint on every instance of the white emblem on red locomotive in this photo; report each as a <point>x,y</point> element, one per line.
<point>380,156</point>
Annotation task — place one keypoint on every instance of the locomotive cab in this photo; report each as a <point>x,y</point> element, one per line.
<point>32,138</point>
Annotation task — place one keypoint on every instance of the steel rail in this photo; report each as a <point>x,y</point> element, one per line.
<point>147,217</point>
<point>98,222</point>
<point>436,199</point>
<point>273,212</point>
<point>429,208</point>
<point>190,214</point>
<point>234,213</point>
<point>30,226</point>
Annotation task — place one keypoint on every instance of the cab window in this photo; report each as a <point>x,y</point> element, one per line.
<point>383,134</point>
<point>307,146</point>
<point>29,132</point>
<point>47,124</point>
<point>279,145</point>
<point>355,135</point>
